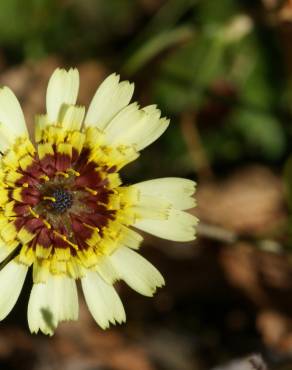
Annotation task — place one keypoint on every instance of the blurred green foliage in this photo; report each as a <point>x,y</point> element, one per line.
<point>213,58</point>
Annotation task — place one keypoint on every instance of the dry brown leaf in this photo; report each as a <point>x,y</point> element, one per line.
<point>249,201</point>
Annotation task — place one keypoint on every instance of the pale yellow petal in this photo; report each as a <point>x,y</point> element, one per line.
<point>62,89</point>
<point>12,277</point>
<point>12,122</point>
<point>179,192</point>
<point>136,271</point>
<point>179,226</point>
<point>107,271</point>
<point>124,120</point>
<point>71,117</point>
<point>4,252</point>
<point>151,207</point>
<point>109,99</point>
<point>136,127</point>
<point>41,121</point>
<point>102,300</point>
<point>51,302</point>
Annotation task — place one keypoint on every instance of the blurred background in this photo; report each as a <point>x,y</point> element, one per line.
<point>222,71</point>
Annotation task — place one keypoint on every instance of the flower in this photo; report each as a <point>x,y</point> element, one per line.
<point>64,210</point>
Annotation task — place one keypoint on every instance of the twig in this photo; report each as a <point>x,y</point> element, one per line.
<point>216,233</point>
<point>223,235</point>
<point>195,147</point>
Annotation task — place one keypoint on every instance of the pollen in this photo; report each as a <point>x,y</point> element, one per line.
<point>63,200</point>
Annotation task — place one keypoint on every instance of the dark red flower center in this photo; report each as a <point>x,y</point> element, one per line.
<point>63,206</point>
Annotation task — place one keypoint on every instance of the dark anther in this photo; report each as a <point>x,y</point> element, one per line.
<point>64,200</point>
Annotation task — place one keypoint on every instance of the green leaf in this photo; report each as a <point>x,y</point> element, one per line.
<point>155,46</point>
<point>261,132</point>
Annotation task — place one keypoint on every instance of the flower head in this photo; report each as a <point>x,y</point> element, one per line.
<point>64,211</point>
